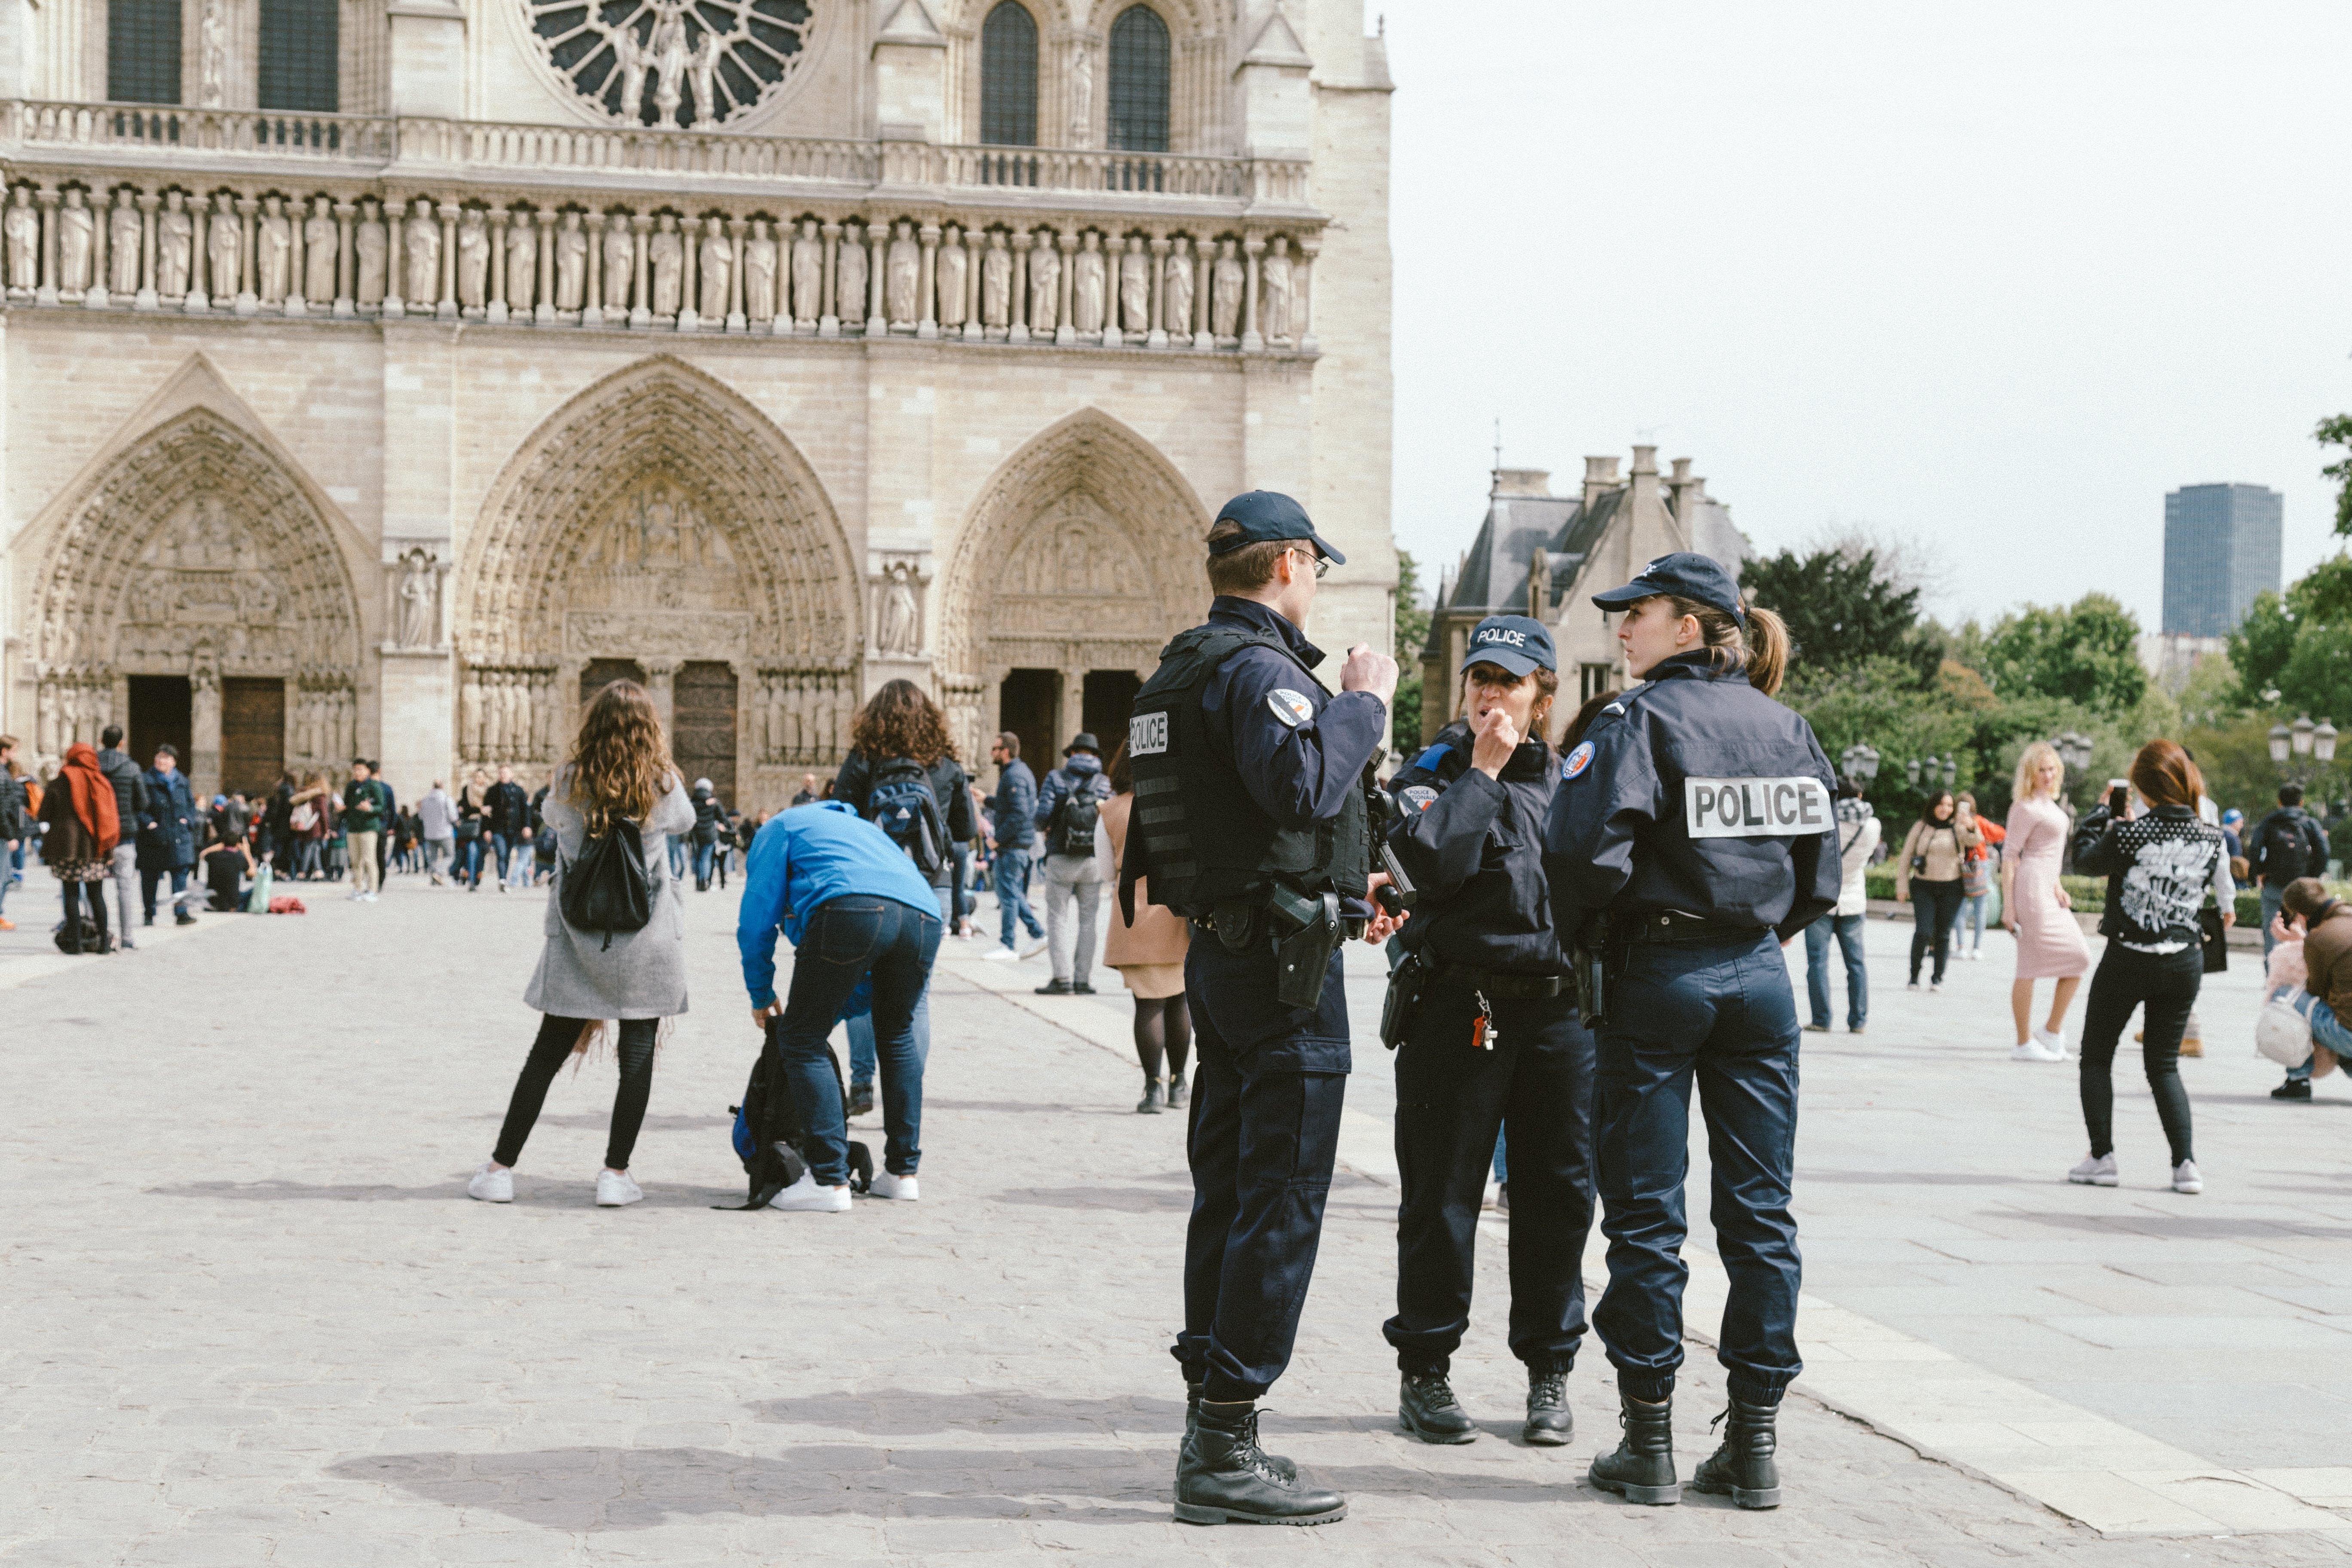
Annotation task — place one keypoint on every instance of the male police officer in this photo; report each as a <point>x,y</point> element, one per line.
<point>1251,818</point>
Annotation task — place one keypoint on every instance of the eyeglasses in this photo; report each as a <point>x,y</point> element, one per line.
<point>1322,563</point>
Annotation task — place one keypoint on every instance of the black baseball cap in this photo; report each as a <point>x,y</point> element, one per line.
<point>1685,574</point>
<point>1515,643</point>
<point>1265,516</point>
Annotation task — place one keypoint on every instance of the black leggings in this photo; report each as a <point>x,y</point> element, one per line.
<point>2166,983</point>
<point>1163,1032</point>
<point>73,891</point>
<point>556,1038</point>
<point>1934,907</point>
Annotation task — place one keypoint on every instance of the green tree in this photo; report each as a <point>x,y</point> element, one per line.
<point>2260,647</point>
<point>2337,432</point>
<point>1842,609</point>
<point>2087,653</point>
<point>1412,634</point>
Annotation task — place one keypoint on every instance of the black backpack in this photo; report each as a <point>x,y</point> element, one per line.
<point>1071,829</point>
<point>902,806</point>
<point>2286,851</point>
<point>771,1166</point>
<point>606,888</point>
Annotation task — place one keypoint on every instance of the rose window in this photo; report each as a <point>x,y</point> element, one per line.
<point>696,63</point>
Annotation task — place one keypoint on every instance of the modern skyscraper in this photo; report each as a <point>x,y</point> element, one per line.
<point>2220,549</point>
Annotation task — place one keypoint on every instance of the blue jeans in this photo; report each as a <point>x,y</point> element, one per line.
<point>147,884</point>
<point>1719,1014</point>
<point>861,1029</point>
<point>847,939</point>
<point>1012,883</point>
<point>676,858</point>
<point>704,855</point>
<point>1971,910</point>
<point>1847,929</point>
<point>470,858</point>
<point>505,843</point>
<point>2271,895</point>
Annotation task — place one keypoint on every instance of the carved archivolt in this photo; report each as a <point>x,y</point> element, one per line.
<point>659,513</point>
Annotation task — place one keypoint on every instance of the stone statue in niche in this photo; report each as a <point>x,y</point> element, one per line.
<point>1176,290</point>
<point>275,242</point>
<point>371,245</point>
<point>175,244</point>
<point>1044,286</point>
<point>760,275</point>
<point>620,264</point>
<point>667,254</point>
<point>1082,95</point>
<point>469,714</point>
<point>423,284</point>
<point>122,246</point>
<point>702,74</point>
<point>419,593</point>
<point>632,61</point>
<point>669,49</point>
<point>951,269</point>
<point>906,274</point>
<point>1228,283</point>
<point>320,245</point>
<point>570,264</point>
<point>1274,291</point>
<point>1087,304</point>
<point>49,746</point>
<point>997,282</point>
<point>23,227</point>
<point>899,617</point>
<point>473,261</point>
<point>522,258</point>
<point>849,278</point>
<point>76,230</point>
<point>223,242</point>
<point>717,263</point>
<point>212,56</point>
<point>808,273</point>
<point>1135,289</point>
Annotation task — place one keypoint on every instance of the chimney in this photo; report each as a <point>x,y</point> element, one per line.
<point>1534,483</point>
<point>1644,491</point>
<point>1600,477</point>
<point>1645,460</point>
<point>1683,488</point>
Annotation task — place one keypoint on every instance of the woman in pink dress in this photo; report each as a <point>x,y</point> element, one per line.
<point>2035,908</point>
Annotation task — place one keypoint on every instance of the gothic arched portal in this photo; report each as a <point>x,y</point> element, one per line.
<point>659,518</point>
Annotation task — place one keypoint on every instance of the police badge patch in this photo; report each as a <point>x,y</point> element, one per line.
<point>1289,707</point>
<point>1421,797</point>
<point>1578,761</point>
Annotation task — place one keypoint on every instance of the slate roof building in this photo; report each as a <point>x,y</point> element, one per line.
<point>1545,555</point>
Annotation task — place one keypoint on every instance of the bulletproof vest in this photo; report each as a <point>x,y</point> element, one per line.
<point>1196,833</point>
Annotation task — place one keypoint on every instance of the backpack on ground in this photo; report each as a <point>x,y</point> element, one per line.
<point>606,888</point>
<point>769,1169</point>
<point>2287,850</point>
<point>1071,829</point>
<point>2283,1027</point>
<point>79,935</point>
<point>902,806</point>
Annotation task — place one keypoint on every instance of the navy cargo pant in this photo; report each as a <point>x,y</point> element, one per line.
<point>1451,1099</point>
<point>1722,1012</point>
<point>1267,1083</point>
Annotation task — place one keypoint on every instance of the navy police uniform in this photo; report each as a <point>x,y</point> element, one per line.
<point>1484,952</point>
<point>1696,822</point>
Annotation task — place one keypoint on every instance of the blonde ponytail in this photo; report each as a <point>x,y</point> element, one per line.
<point>1762,646</point>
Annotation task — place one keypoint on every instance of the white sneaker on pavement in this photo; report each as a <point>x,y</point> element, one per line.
<point>2098,1173</point>
<point>1036,945</point>
<point>2186,1178</point>
<point>2036,1051</point>
<point>903,1188</point>
<point>2051,1040</point>
<point>1000,955</point>
<point>804,1197</point>
<point>492,1186</point>
<point>615,1189</point>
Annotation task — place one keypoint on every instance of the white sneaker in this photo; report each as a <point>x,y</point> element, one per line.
<point>903,1188</point>
<point>2033,1050</point>
<point>1935,988</point>
<point>492,1186</point>
<point>614,1189</point>
<point>2051,1040</point>
<point>1036,945</point>
<point>2185,1177</point>
<point>2098,1173</point>
<point>1000,955</point>
<point>804,1197</point>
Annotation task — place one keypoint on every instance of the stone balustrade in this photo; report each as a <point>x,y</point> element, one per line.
<point>871,267</point>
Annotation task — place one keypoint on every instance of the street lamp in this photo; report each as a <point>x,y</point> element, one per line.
<point>2073,749</point>
<point>2324,742</point>
<point>2280,737</point>
<point>2303,730</point>
<point>2301,750</point>
<point>1859,762</point>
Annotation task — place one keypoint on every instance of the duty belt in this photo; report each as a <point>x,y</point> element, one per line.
<point>1672,925</point>
<point>1514,986</point>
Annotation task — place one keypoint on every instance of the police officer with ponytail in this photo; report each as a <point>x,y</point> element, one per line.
<point>1694,837</point>
<point>1483,1012</point>
<point>1254,807</point>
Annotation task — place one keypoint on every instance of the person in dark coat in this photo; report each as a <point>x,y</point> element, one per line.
<point>130,806</point>
<point>15,819</point>
<point>167,836</point>
<point>79,808</point>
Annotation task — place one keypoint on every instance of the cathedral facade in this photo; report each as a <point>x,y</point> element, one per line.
<point>384,376</point>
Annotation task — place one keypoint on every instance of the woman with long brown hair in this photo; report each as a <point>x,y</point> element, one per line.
<point>619,771</point>
<point>83,831</point>
<point>2159,864</point>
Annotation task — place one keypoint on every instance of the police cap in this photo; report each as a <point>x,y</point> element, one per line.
<point>1265,516</point>
<point>1515,643</point>
<point>1685,574</point>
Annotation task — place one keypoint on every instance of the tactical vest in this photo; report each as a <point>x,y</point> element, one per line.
<point>1195,831</point>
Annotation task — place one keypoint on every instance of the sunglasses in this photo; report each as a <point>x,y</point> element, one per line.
<point>1322,563</point>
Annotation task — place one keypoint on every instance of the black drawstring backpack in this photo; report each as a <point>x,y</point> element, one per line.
<point>606,888</point>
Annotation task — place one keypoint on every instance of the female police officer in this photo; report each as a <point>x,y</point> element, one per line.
<point>1493,1039</point>
<point>1691,836</point>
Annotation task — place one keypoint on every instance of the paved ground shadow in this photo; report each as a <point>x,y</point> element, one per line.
<point>549,1192</point>
<point>1129,1200</point>
<point>2181,1227</point>
<point>905,1412</point>
<point>1919,1178</point>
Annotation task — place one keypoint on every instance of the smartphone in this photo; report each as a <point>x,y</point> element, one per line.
<point>2118,797</point>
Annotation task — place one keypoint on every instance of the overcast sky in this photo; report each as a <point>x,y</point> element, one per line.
<point>1997,276</point>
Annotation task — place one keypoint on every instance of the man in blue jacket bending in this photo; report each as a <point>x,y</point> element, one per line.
<point>852,905</point>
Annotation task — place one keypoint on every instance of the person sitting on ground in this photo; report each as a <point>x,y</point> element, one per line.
<point>226,865</point>
<point>2320,924</point>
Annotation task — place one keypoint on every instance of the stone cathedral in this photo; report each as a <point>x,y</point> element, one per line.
<point>384,376</point>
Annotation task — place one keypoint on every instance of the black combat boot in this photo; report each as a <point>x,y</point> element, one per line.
<point>1282,1467</point>
<point>1744,1468</point>
<point>1426,1408</point>
<point>1224,1477</point>
<point>1550,1422</point>
<point>1643,1468</point>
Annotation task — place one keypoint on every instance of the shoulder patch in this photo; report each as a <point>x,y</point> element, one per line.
<point>1420,797</point>
<point>1288,706</point>
<point>1427,761</point>
<point>1578,761</point>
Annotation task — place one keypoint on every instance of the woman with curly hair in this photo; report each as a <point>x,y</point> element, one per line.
<point>619,770</point>
<point>901,723</point>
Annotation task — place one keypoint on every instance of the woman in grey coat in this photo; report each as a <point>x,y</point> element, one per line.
<point>619,768</point>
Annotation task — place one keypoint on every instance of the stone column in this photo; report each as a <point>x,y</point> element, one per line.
<point>248,288</point>
<point>828,325</point>
<point>543,312</point>
<point>345,263</point>
<point>1302,294</point>
<point>739,314</point>
<point>661,678</point>
<point>147,299</point>
<point>1018,316</point>
<point>878,315</point>
<point>47,294</point>
<point>1252,249</point>
<point>640,313</point>
<point>447,306</point>
<point>1073,702</point>
<point>928,326</point>
<point>690,244</point>
<point>205,733</point>
<point>1159,292</point>
<point>1204,276</point>
<point>1114,255</point>
<point>494,308</point>
<point>975,249</point>
<point>297,214</point>
<point>1067,244</point>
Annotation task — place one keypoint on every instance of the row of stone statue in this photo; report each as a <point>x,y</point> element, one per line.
<point>321,720</point>
<point>801,717</point>
<point>246,254</point>
<point>507,715</point>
